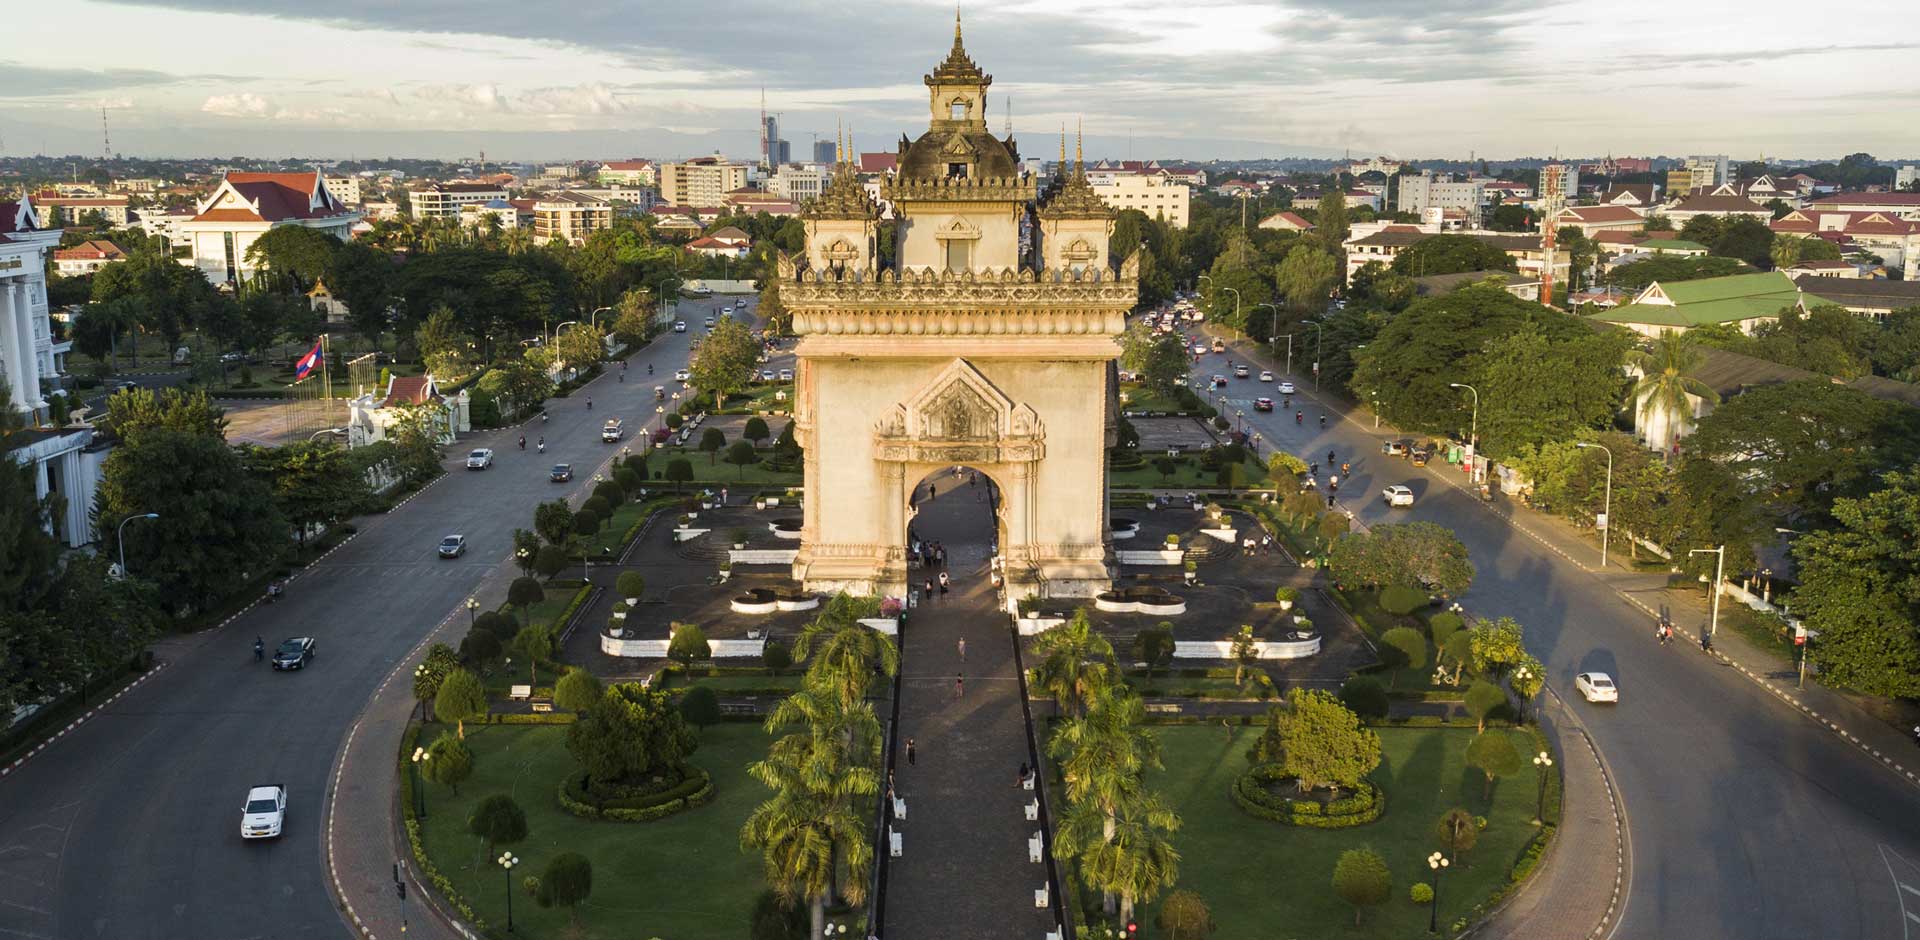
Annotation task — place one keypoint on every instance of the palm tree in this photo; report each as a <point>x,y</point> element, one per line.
<point>1074,662</point>
<point>1666,380</point>
<point>1102,757</point>
<point>833,749</point>
<point>1125,852</point>
<point>1785,250</point>
<point>844,651</point>
<point>800,832</point>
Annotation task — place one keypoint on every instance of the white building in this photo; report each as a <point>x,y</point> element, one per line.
<point>247,205</point>
<point>797,182</point>
<point>507,213</point>
<point>443,200</point>
<point>1152,192</point>
<point>369,417</point>
<point>345,188</point>
<point>162,223</point>
<point>86,258</point>
<point>1423,191</point>
<point>570,215</point>
<point>69,210</point>
<point>704,181</point>
<point>1906,176</point>
<point>629,172</point>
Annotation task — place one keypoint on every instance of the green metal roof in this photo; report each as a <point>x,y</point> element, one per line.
<point>1711,300</point>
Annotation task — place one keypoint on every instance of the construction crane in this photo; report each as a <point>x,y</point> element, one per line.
<point>1551,201</point>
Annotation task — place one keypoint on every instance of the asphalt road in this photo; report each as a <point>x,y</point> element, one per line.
<point>129,827</point>
<point>1746,819</point>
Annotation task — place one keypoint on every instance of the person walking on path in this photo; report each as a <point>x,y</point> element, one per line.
<point>909,752</point>
<point>1021,780</point>
<point>944,581</point>
<point>959,684</point>
<point>962,646</point>
<point>929,590</point>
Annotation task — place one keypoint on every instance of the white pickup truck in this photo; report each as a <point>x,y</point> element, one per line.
<point>612,430</point>
<point>265,813</point>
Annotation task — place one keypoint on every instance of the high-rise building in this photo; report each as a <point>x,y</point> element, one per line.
<point>1422,191</point>
<point>823,152</point>
<point>701,182</point>
<point>778,151</point>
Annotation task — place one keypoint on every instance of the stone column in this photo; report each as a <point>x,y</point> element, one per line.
<point>29,348</point>
<point>15,347</point>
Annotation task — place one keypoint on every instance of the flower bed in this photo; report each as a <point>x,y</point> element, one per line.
<point>1254,795</point>
<point>695,790</point>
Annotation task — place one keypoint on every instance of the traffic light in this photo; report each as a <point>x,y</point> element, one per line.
<point>1133,929</point>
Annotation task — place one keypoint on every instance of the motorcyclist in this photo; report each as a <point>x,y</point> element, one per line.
<point>1299,417</point>
<point>590,403</point>
<point>649,368</point>
<point>259,649</point>
<point>542,445</point>
<point>1323,423</point>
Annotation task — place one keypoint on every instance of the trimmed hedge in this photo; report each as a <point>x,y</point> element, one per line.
<point>408,741</point>
<point>694,791</point>
<point>1253,798</point>
<point>531,718</point>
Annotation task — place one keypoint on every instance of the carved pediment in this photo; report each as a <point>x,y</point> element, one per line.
<point>957,228</point>
<point>958,146</point>
<point>960,408</point>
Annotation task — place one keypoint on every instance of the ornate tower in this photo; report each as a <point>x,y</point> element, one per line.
<point>969,351</point>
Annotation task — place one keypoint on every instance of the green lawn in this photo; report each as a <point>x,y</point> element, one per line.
<point>732,685</point>
<point>559,595</point>
<point>708,469</point>
<point>683,877</point>
<point>613,532</point>
<point>1140,398</point>
<point>1265,879</point>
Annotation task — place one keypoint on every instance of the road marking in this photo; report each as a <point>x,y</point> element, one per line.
<point>1906,932</point>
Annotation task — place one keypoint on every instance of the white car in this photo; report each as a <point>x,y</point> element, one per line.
<point>1596,687</point>
<point>265,813</point>
<point>682,375</point>
<point>1397,495</point>
<point>679,326</point>
<point>786,375</point>
<point>612,430</point>
<point>1286,388</point>
<point>766,375</point>
<point>1266,376</point>
<point>480,459</point>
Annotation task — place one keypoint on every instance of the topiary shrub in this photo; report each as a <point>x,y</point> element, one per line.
<point>597,506</point>
<point>689,643</point>
<point>700,706</point>
<point>630,584</point>
<point>1364,697</point>
<point>1444,625</point>
<point>1401,600</point>
<point>775,656</point>
<point>610,492</point>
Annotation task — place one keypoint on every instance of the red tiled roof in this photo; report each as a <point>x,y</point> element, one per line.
<point>1592,214</point>
<point>713,243</point>
<point>1809,221</point>
<point>95,250</point>
<point>1869,199</point>
<point>280,196</point>
<point>629,164</point>
<point>1722,204</point>
<point>10,217</point>
<point>1290,218</point>
<point>879,162</point>
<point>411,389</point>
<point>228,215</point>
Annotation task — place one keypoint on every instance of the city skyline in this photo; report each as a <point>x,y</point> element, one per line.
<point>1306,78</point>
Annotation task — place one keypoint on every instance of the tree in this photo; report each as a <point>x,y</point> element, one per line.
<point>361,277</point>
<point>1636,275</point>
<point>1482,698</point>
<point>801,830</point>
<point>1184,916</point>
<point>1493,754</point>
<point>774,919</point>
<point>439,661</point>
<point>1458,831</point>
<point>711,441</point>
<point>553,520</point>
<point>1305,278</point>
<point>567,880</point>
<point>578,690</point>
<point>586,522</point>
<point>1746,238</point>
<point>756,430</point>
<point>1072,663</point>
<point>447,350</point>
<point>1413,553</point>
<point>1361,879</point>
<point>448,762</point>
<point>1858,590</point>
<point>482,646</point>
<point>1364,696</point>
<point>689,643</point>
<point>1497,645</point>
<point>630,584</point>
<point>1154,646</point>
<point>313,484</point>
<point>724,363</point>
<point>219,528</point>
<point>1114,826</point>
<point>740,454</point>
<point>550,560</point>
<point>1331,225</point>
<point>1450,254</point>
<point>1803,444</point>
<point>1411,646</point>
<point>292,257</point>
<point>581,347</point>
<point>523,593</point>
<point>631,734</point>
<point>498,820</point>
<point>534,643</point>
<point>700,706</point>
<point>679,471</point>
<point>460,699</point>
<point>134,411</point>
<point>1165,467</point>
<point>1667,380</point>
<point>843,654</point>
<point>1536,388</point>
<point>1323,744</point>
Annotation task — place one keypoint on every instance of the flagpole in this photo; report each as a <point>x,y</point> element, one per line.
<point>324,374</point>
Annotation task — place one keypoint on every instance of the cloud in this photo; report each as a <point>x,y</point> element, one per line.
<point>592,98</point>
<point>24,81</point>
<point>244,104</point>
<point>483,96</point>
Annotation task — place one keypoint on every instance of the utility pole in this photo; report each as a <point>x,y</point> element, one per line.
<point>1551,199</point>
<point>1719,572</point>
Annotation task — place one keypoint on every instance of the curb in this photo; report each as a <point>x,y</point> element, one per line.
<point>77,722</point>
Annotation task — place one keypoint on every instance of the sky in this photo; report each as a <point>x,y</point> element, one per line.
<point>1197,79</point>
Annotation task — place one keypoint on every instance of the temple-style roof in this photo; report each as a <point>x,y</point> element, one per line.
<point>844,196</point>
<point>1072,196</point>
<point>959,68</point>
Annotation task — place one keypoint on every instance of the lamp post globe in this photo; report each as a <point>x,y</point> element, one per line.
<point>507,860</point>
<point>1438,862</point>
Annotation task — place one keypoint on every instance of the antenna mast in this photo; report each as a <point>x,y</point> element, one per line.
<point>1551,200</point>
<point>765,160</point>
<point>106,142</point>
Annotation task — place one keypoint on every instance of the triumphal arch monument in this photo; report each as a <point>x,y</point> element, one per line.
<point>988,342</point>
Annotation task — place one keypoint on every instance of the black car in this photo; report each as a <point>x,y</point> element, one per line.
<point>293,654</point>
<point>562,472</point>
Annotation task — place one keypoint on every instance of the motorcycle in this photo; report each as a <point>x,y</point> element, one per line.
<point>541,447</point>
<point>1299,418</point>
<point>259,650</point>
<point>274,591</point>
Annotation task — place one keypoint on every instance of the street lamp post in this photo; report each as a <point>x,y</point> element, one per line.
<point>1544,761</point>
<point>473,609</point>
<point>1273,333</point>
<point>507,861</point>
<point>119,536</point>
<point>1239,420</point>
<point>1438,863</point>
<point>1475,433</point>
<point>420,754</point>
<point>594,317</point>
<point>1719,571</point>
<point>1318,334</point>
<point>1606,511</point>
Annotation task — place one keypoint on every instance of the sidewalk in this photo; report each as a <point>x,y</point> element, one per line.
<point>964,871</point>
<point>1840,712</point>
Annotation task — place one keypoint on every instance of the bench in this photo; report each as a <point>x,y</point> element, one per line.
<point>1034,848</point>
<point>520,693</point>
<point>1040,897</point>
<point>738,708</point>
<point>543,706</point>
<point>899,809</point>
<point>1033,809</point>
<point>894,845</point>
<point>1164,708</point>
<point>1026,782</point>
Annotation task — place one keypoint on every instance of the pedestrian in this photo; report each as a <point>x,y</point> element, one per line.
<point>909,752</point>
<point>1021,780</point>
<point>962,644</point>
<point>929,589</point>
<point>1329,500</point>
<point>723,496</point>
<point>944,579</point>
<point>959,684</point>
<point>890,793</point>
<point>972,478</point>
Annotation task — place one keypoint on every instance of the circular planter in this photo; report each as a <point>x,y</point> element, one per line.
<point>786,528</point>
<point>1140,600</point>
<point>756,601</point>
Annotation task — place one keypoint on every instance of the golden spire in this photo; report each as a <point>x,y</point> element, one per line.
<point>1077,164</point>
<point>956,26</point>
<point>1062,168</point>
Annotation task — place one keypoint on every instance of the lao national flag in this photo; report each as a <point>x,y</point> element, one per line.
<point>307,363</point>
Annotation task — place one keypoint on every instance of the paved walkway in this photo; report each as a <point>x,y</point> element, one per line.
<point>964,874</point>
